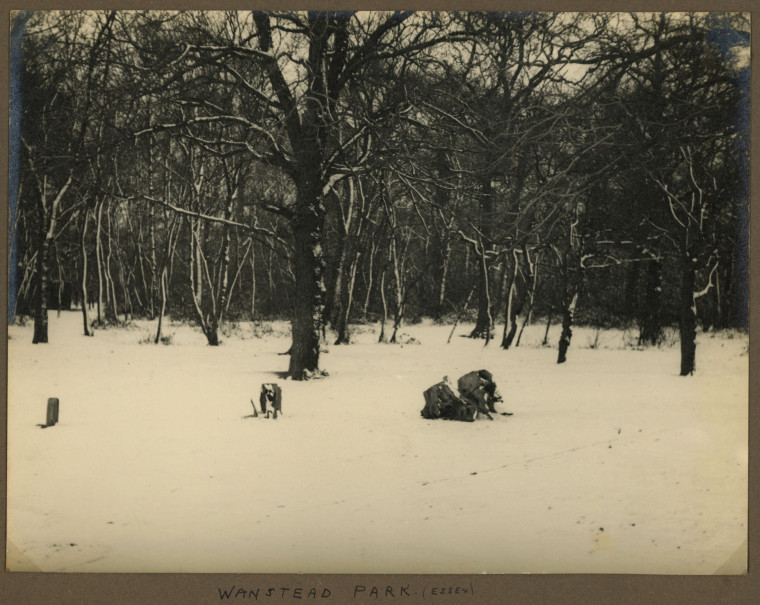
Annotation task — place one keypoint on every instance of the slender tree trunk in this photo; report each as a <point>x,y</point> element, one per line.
<point>510,314</point>
<point>99,258</point>
<point>41,312</point>
<point>335,303</point>
<point>344,337</point>
<point>123,281</point>
<point>439,309</point>
<point>162,308</point>
<point>630,307</point>
<point>153,265</point>
<point>372,252</point>
<point>198,231</point>
<point>194,277</point>
<point>48,216</point>
<point>568,313</point>
<point>384,317</point>
<point>166,272</point>
<point>83,272</point>
<point>398,280</point>
<point>460,313</point>
<point>60,282</point>
<point>718,304</point>
<point>141,264</point>
<point>336,300</point>
<point>110,282</point>
<point>515,308</point>
<point>531,297</point>
<point>484,323</point>
<point>572,289</point>
<point>650,331</point>
<point>224,270</point>
<point>545,341</point>
<point>253,282</point>
<point>688,316</point>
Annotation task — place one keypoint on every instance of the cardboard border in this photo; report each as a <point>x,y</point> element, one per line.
<point>33,588</point>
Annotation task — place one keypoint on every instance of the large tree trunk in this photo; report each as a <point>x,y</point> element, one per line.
<point>688,316</point>
<point>309,267</point>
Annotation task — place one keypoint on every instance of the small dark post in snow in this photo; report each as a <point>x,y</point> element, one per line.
<point>52,411</point>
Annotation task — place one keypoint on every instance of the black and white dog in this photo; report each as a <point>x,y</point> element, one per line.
<point>271,395</point>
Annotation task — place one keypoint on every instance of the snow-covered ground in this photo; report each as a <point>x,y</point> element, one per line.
<point>611,462</point>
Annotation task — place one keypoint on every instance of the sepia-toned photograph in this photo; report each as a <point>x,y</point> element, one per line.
<point>378,293</point>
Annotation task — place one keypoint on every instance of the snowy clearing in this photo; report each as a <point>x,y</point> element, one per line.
<point>612,463</point>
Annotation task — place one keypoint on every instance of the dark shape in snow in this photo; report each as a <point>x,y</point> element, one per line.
<point>52,413</point>
<point>479,388</point>
<point>271,394</point>
<point>441,402</point>
<point>478,394</point>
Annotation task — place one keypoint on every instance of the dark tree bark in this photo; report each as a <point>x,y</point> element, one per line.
<point>651,315</point>
<point>83,273</point>
<point>514,304</point>
<point>688,316</point>
<point>533,265</point>
<point>344,336</point>
<point>48,214</point>
<point>573,271</point>
<point>384,317</point>
<point>630,305</point>
<point>445,262</point>
<point>568,314</point>
<point>484,322</point>
<point>309,268</point>
<point>41,308</point>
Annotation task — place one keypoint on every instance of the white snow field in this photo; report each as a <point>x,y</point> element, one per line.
<point>612,463</point>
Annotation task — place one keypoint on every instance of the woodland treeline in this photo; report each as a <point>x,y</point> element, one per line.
<point>334,168</point>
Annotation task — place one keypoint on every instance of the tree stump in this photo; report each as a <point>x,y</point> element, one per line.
<point>52,411</point>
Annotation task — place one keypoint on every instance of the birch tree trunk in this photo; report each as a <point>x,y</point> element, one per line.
<point>83,272</point>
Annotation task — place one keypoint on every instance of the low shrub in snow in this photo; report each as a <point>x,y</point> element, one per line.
<point>149,338</point>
